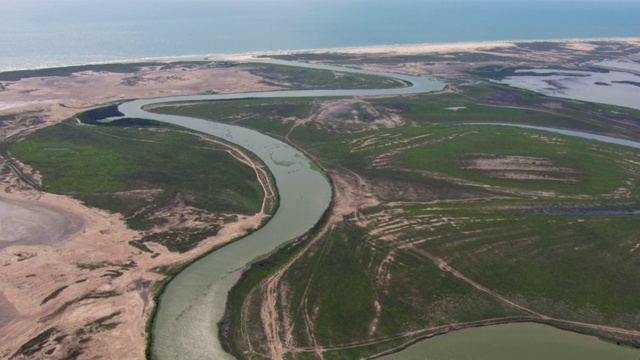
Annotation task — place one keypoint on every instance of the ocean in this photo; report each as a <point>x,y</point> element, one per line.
<point>43,33</point>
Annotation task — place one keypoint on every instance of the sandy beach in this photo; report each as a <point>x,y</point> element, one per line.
<point>413,49</point>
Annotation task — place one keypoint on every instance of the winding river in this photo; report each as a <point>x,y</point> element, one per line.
<point>193,302</point>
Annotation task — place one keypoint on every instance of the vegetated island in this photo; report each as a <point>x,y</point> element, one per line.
<point>437,227</point>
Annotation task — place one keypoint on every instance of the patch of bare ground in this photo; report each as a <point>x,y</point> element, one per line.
<point>99,274</point>
<point>353,115</point>
<point>520,168</point>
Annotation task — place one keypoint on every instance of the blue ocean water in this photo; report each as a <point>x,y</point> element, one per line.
<point>36,33</point>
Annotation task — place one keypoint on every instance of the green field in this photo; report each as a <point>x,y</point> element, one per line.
<point>140,172</point>
<point>472,196</point>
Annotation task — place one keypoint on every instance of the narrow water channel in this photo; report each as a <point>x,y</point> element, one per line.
<point>191,305</point>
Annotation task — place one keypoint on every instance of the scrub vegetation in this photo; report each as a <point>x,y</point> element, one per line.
<point>304,78</point>
<point>114,68</point>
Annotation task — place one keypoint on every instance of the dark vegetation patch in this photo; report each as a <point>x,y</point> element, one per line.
<point>70,70</point>
<point>181,241</point>
<point>54,294</point>
<point>113,68</point>
<point>102,324</point>
<point>461,57</point>
<point>99,115</point>
<point>304,78</point>
<point>87,296</point>
<point>541,46</point>
<point>36,344</point>
<point>140,173</point>
<point>634,83</point>
<point>140,245</point>
<point>103,264</point>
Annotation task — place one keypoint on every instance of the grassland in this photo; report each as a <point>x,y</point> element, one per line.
<point>459,236</point>
<point>145,173</point>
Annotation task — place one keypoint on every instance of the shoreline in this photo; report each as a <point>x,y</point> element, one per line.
<point>415,48</point>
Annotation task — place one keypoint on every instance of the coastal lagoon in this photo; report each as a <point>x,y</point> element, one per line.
<point>620,88</point>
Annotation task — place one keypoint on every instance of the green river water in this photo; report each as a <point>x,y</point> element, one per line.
<point>194,301</point>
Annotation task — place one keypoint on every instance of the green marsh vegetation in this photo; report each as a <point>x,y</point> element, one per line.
<point>304,78</point>
<point>53,294</point>
<point>472,197</point>
<point>143,173</point>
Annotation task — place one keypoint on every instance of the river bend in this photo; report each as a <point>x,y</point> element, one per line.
<point>194,301</point>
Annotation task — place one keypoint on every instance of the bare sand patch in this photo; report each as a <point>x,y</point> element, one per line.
<point>581,44</point>
<point>103,275</point>
<point>27,222</point>
<point>521,168</point>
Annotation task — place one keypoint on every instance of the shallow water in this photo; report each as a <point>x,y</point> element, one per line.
<point>583,85</point>
<point>522,341</point>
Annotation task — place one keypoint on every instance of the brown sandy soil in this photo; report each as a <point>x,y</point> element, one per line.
<point>89,261</point>
<point>51,241</point>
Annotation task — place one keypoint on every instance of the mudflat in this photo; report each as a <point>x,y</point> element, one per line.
<point>25,222</point>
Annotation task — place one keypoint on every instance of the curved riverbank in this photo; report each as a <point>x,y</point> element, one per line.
<point>195,299</point>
